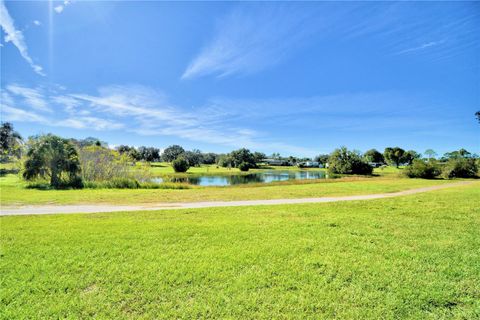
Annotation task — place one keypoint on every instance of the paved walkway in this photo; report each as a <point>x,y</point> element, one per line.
<point>80,208</point>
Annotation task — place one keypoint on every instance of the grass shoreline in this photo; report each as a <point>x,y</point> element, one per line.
<point>13,193</point>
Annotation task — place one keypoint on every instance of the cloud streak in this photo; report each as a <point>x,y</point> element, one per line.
<point>266,123</point>
<point>421,47</point>
<point>250,39</point>
<point>32,97</point>
<point>16,38</point>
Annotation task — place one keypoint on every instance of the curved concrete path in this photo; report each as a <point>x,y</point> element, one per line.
<point>80,208</point>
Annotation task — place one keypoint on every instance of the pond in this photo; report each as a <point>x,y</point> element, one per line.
<point>257,177</point>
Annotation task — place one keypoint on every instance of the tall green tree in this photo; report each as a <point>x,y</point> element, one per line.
<point>243,156</point>
<point>410,155</point>
<point>172,152</point>
<point>394,156</point>
<point>373,155</point>
<point>194,157</point>
<point>322,158</point>
<point>430,153</point>
<point>10,141</point>
<point>54,158</point>
<point>462,153</point>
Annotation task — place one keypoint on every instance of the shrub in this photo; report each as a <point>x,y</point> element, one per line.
<point>164,185</point>
<point>114,183</point>
<point>102,164</point>
<point>53,158</point>
<point>244,166</point>
<point>422,169</point>
<point>180,164</point>
<point>343,161</point>
<point>460,168</point>
<point>242,155</point>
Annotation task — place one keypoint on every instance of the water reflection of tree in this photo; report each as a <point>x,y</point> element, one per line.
<point>247,178</point>
<point>263,177</point>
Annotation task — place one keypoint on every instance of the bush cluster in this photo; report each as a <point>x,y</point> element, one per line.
<point>423,169</point>
<point>454,168</point>
<point>180,164</point>
<point>244,166</point>
<point>460,168</point>
<point>344,161</point>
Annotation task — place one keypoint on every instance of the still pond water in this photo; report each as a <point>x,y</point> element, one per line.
<point>257,177</point>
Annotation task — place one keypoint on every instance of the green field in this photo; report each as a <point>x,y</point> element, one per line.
<point>13,191</point>
<point>411,257</point>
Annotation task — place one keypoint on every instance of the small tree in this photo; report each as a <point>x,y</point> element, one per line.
<point>322,158</point>
<point>344,161</point>
<point>258,156</point>
<point>462,153</point>
<point>172,152</point>
<point>430,153</point>
<point>149,154</point>
<point>53,157</point>
<point>394,156</point>
<point>193,157</point>
<point>243,155</point>
<point>373,155</point>
<point>10,141</point>
<point>180,164</point>
<point>409,156</point>
<point>209,158</point>
<point>102,164</point>
<point>225,161</point>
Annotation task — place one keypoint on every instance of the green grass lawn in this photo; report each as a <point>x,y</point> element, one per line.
<point>413,257</point>
<point>13,191</point>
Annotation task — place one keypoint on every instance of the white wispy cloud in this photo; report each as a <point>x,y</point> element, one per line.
<point>258,124</point>
<point>250,39</point>
<point>16,114</point>
<point>135,109</point>
<point>16,37</point>
<point>254,37</point>
<point>421,47</point>
<point>61,7</point>
<point>33,98</point>
<point>148,113</point>
<point>90,122</point>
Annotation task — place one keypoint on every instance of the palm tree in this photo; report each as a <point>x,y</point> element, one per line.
<point>10,141</point>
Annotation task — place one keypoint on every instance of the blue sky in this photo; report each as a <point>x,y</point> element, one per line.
<point>294,78</point>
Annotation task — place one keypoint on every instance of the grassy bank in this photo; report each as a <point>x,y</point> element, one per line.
<point>409,257</point>
<point>13,191</point>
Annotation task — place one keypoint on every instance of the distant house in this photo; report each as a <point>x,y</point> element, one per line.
<point>276,162</point>
<point>375,164</point>
<point>310,164</point>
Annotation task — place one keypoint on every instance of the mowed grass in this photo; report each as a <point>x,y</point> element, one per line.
<point>13,191</point>
<point>412,257</point>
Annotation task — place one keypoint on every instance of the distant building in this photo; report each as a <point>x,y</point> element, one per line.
<point>375,164</point>
<point>275,162</point>
<point>310,164</point>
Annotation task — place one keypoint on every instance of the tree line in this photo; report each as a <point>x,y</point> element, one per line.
<point>74,163</point>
